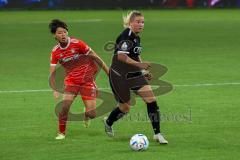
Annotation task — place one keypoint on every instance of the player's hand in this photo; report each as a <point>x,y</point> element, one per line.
<point>147,75</point>
<point>144,65</point>
<point>56,95</point>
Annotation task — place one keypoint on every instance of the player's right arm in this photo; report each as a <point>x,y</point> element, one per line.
<point>52,69</point>
<point>52,72</point>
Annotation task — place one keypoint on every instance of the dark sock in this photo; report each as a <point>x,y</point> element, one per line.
<point>153,114</point>
<point>115,115</point>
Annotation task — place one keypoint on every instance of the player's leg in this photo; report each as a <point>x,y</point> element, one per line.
<point>88,91</point>
<point>68,98</point>
<point>153,111</point>
<point>122,95</point>
<point>116,114</point>
<point>90,111</point>
<point>90,108</point>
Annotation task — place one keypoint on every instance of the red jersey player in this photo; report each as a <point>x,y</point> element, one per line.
<point>80,64</point>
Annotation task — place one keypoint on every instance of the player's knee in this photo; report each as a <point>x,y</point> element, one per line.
<point>124,108</point>
<point>150,99</point>
<point>65,105</point>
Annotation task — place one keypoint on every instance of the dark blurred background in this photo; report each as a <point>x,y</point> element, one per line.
<point>115,4</point>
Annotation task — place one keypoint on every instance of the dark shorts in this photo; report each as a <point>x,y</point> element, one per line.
<point>122,84</point>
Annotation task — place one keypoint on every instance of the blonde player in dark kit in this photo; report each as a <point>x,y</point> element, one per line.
<point>128,72</point>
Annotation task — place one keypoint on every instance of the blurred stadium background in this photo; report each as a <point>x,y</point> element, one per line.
<point>113,4</point>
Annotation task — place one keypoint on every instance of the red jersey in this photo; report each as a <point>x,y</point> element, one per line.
<point>79,67</point>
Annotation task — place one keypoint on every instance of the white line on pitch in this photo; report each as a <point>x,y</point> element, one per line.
<point>176,85</point>
<point>206,84</point>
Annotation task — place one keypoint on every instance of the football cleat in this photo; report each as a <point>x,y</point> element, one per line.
<point>108,129</point>
<point>159,137</point>
<point>60,136</point>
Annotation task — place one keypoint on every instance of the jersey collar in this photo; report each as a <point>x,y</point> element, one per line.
<point>69,40</point>
<point>132,34</point>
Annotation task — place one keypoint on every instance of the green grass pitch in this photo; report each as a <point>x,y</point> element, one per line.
<point>201,119</point>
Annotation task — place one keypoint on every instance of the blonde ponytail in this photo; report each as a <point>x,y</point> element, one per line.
<point>129,17</point>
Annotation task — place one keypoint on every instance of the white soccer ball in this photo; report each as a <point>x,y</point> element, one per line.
<point>139,142</point>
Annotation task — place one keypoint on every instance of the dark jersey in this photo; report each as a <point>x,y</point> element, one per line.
<point>124,77</point>
<point>127,43</point>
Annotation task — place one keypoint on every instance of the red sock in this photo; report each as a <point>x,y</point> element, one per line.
<point>62,122</point>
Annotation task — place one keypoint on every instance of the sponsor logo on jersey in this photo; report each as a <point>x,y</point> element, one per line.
<point>137,50</point>
<point>67,59</point>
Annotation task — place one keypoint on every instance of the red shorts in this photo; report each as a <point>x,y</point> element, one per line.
<point>88,90</point>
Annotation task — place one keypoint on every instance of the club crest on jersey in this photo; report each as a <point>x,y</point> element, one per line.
<point>124,46</point>
<point>76,56</point>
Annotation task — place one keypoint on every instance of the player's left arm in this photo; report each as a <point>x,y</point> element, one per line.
<point>100,62</point>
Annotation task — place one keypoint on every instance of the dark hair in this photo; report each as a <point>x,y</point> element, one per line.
<point>55,23</point>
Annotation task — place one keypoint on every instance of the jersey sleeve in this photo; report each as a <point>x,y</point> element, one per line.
<point>53,59</point>
<point>84,48</point>
<point>123,45</point>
